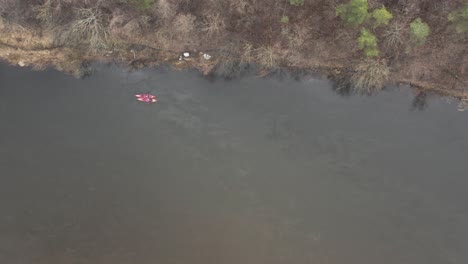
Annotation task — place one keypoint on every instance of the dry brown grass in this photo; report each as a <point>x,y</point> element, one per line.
<point>176,36</point>
<point>165,9</point>
<point>23,38</point>
<point>163,40</point>
<point>213,24</point>
<point>295,38</point>
<point>184,24</point>
<point>241,6</point>
<point>370,76</point>
<point>299,36</point>
<point>247,52</point>
<point>182,32</point>
<point>268,56</point>
<point>344,37</point>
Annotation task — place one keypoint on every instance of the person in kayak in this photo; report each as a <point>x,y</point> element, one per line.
<point>147,98</point>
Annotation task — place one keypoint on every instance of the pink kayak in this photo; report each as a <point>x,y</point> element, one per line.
<point>147,98</point>
<point>145,95</point>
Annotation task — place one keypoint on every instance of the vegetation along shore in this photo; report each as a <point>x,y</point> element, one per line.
<point>363,44</point>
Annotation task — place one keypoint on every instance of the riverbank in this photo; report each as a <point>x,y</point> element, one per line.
<point>437,66</point>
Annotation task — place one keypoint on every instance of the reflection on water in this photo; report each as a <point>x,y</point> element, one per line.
<point>251,170</point>
<point>419,102</point>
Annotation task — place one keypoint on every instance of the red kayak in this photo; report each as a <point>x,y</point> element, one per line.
<point>146,98</point>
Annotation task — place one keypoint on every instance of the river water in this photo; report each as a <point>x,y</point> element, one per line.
<point>253,170</point>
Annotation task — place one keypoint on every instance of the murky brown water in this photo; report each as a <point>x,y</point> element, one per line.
<point>247,171</point>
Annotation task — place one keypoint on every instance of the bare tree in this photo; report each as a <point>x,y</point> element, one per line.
<point>88,28</point>
<point>394,36</point>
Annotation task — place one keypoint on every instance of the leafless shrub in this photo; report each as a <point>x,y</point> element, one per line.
<point>267,56</point>
<point>241,6</point>
<point>135,27</point>
<point>213,24</point>
<point>394,36</point>
<point>409,8</point>
<point>45,13</point>
<point>88,28</point>
<point>217,5</point>
<point>165,9</point>
<point>50,13</point>
<point>118,20</point>
<point>370,76</point>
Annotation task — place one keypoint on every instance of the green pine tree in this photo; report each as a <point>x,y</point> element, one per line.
<point>354,12</point>
<point>368,42</point>
<point>381,16</point>
<point>419,31</point>
<point>459,18</point>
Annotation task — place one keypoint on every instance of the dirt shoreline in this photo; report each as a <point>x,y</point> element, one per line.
<point>26,49</point>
